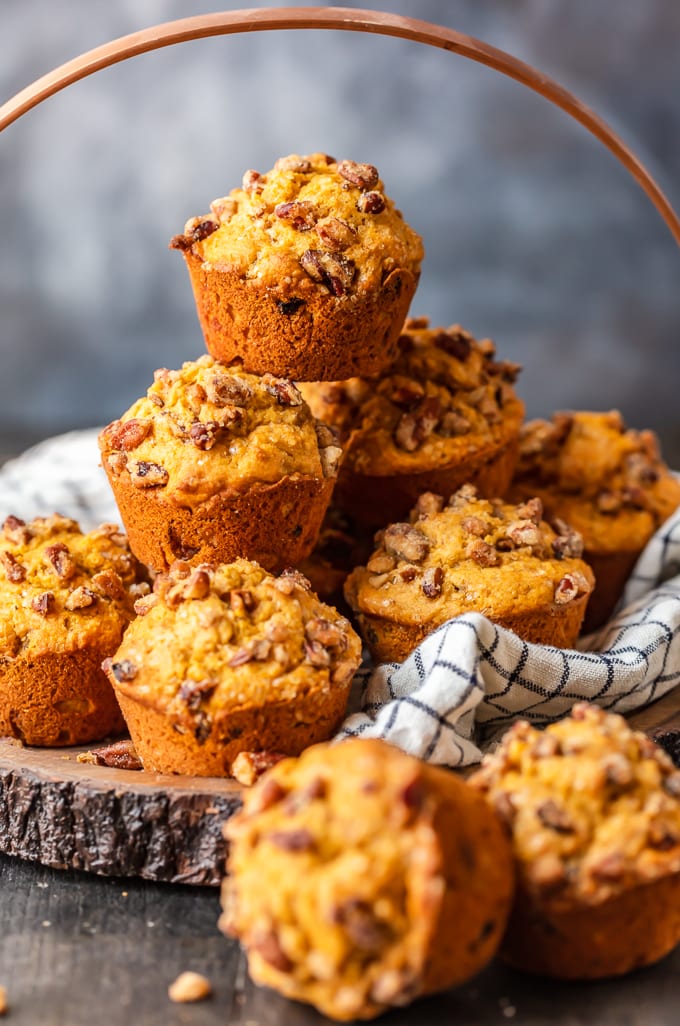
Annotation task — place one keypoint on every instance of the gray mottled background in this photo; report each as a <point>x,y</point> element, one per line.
<point>535,235</point>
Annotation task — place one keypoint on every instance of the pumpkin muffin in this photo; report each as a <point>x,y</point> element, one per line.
<point>470,555</point>
<point>229,659</point>
<point>593,809</point>
<point>443,415</point>
<point>360,878</point>
<point>607,482</point>
<point>306,271</point>
<point>65,600</point>
<point>213,464</point>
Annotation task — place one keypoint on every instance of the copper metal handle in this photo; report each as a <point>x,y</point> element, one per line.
<point>378,22</point>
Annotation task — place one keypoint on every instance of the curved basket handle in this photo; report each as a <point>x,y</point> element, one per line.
<point>378,22</point>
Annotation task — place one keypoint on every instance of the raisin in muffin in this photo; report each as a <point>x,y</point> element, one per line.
<point>609,483</point>
<point>470,555</point>
<point>65,600</point>
<point>593,809</point>
<point>228,659</point>
<point>306,271</point>
<point>444,414</point>
<point>360,878</point>
<point>214,463</point>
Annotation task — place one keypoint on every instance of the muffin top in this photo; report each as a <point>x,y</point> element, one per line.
<point>60,589</point>
<point>470,554</point>
<point>210,427</point>
<point>593,806</point>
<point>608,482</point>
<point>211,640</point>
<point>445,396</point>
<point>311,222</point>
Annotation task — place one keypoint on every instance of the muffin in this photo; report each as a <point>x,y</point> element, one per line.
<point>360,878</point>
<point>228,659</point>
<point>607,482</point>
<point>340,547</point>
<point>306,271</point>
<point>443,415</point>
<point>213,464</point>
<point>65,600</point>
<point>470,555</point>
<point>593,809</point>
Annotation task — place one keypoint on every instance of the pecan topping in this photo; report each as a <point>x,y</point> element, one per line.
<point>316,654</point>
<point>432,581</point>
<point>284,390</point>
<point>144,604</point>
<point>198,228</point>
<point>60,559</point>
<point>269,793</point>
<point>224,208</point>
<point>609,867</point>
<point>290,579</point>
<point>523,533</point>
<point>548,873</point>
<point>268,947</point>
<point>545,746</point>
<point>454,423</point>
<point>108,583</point>
<point>618,771</point>
<point>80,598</point>
<point>531,510</point>
<point>119,755</point>
<point>124,670</point>
<point>301,214</point>
<point>570,587</point>
<point>465,494</point>
<point>406,542</point>
<point>254,651</point>
<point>147,475</point>
<point>428,503</point>
<point>554,817</point>
<point>293,840</point>
<point>364,176</point>
<point>371,203</point>
<point>568,542</point>
<point>406,393</point>
<point>380,563</point>
<point>203,435</point>
<point>475,525</point>
<point>361,924</point>
<point>334,271</point>
<point>117,462</point>
<point>247,767</point>
<point>253,182</point>
<point>455,342</point>
<point>193,692</point>
<point>330,459</point>
<point>226,390</point>
<point>671,785</point>
<point>14,570</point>
<point>482,552</point>
<point>15,531</point>
<point>189,987</point>
<point>44,603</point>
<point>335,234</point>
<point>242,601</point>
<point>300,165</point>
<point>608,502</point>
<point>327,633</point>
<point>414,428</point>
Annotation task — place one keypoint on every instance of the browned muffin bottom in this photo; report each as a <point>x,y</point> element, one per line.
<point>65,600</point>
<point>444,414</point>
<point>306,271</point>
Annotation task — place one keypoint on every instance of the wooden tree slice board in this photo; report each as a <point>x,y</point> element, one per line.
<point>115,822</point>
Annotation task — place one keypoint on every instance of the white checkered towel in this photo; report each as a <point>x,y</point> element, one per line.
<point>464,685</point>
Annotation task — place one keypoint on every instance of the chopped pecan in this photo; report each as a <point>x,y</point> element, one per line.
<point>380,563</point>
<point>254,651</point>
<point>268,947</point>
<point>43,603</point>
<point>247,767</point>
<point>608,867</point>
<point>189,987</point>
<point>316,654</point>
<point>554,817</point>
<point>482,552</point>
<point>414,428</point>
<point>476,526</point>
<point>14,570</point>
<point>427,504</point>
<point>119,755</point>
<point>117,462</point>
<point>671,785</point>
<point>204,435</point>
<point>297,840</point>
<point>405,392</point>
<point>300,214</point>
<point>60,560</point>
<point>639,469</point>
<point>80,598</point>
<point>277,630</point>
<point>224,208</point>
<point>198,228</point>
<point>408,574</point>
<point>15,530</point>
<point>505,807</point>
<point>223,389</point>
<point>568,542</point>
<point>123,670</point>
<point>454,423</point>
<point>253,181</point>
<point>618,771</point>
<point>242,601</point>
<point>406,542</point>
<point>545,746</point>
<point>432,581</point>
<point>360,923</point>
<point>290,579</point>
<point>193,692</point>
<point>371,203</point>
<point>294,162</point>
<point>530,510</point>
<point>270,792</point>
<point>662,837</point>
<point>147,475</point>
<point>608,502</point>
<point>108,583</point>
<point>548,872</point>
<point>364,176</point>
<point>128,434</point>
<point>570,587</point>
<point>284,390</point>
<point>456,342</point>
<point>505,369</point>
<point>330,459</point>
<point>523,533</point>
<point>327,633</point>
<point>145,603</point>
<point>335,234</point>
<point>332,270</point>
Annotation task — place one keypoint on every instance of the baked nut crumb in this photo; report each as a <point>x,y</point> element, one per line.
<point>188,987</point>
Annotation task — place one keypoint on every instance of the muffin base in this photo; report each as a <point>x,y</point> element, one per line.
<point>631,930</point>
<point>285,728</point>
<point>274,525</point>
<point>376,500</point>
<point>319,338</point>
<point>58,699</point>
<point>392,642</point>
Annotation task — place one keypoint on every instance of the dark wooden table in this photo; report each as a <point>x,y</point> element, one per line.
<point>80,950</point>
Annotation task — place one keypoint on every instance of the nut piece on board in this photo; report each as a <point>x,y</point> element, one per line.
<point>189,987</point>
